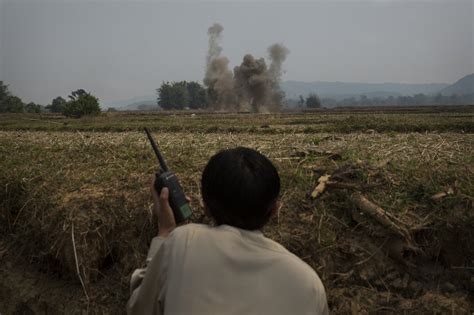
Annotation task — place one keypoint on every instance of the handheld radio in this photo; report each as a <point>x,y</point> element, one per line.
<point>166,178</point>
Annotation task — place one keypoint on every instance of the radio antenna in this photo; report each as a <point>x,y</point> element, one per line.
<point>163,165</point>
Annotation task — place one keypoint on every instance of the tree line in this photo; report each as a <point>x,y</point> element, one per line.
<point>313,100</point>
<point>13,104</point>
<point>79,103</point>
<point>177,95</point>
<point>192,95</point>
<point>182,95</point>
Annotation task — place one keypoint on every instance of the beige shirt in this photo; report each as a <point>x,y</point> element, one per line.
<point>199,269</point>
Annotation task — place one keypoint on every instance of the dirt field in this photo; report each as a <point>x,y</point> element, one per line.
<point>391,232</point>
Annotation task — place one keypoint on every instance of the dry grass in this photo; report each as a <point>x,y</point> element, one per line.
<point>98,182</point>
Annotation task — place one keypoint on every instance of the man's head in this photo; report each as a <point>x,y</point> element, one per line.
<point>240,187</point>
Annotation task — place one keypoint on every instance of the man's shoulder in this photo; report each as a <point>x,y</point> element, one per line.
<point>297,265</point>
<point>190,228</point>
<point>301,274</point>
<point>186,231</point>
<point>293,265</point>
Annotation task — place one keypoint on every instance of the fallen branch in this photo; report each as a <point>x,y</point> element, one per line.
<point>380,215</point>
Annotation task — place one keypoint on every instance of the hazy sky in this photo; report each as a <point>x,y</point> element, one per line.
<point>124,49</point>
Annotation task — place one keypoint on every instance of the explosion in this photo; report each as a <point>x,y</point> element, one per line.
<point>252,85</point>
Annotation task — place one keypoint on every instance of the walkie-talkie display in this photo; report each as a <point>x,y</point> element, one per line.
<point>166,178</point>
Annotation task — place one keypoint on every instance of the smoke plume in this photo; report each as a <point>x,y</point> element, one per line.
<point>214,33</point>
<point>252,83</point>
<point>277,54</point>
<point>252,86</point>
<point>218,79</point>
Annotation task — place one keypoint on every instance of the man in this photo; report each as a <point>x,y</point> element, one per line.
<point>229,268</point>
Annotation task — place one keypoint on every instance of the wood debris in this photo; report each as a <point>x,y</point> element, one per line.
<point>319,189</point>
<point>380,215</point>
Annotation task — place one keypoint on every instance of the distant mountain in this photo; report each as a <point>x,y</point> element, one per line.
<point>339,90</point>
<point>464,86</point>
<point>335,90</point>
<point>132,103</point>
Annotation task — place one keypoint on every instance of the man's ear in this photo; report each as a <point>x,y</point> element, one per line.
<point>276,208</point>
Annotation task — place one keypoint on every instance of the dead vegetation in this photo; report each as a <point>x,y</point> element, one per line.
<point>385,219</point>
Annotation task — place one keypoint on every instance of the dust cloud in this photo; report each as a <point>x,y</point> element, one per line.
<point>252,86</point>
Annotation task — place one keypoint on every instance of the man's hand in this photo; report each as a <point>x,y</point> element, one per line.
<point>162,210</point>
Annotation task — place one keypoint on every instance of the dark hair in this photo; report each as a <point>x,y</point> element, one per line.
<point>240,187</point>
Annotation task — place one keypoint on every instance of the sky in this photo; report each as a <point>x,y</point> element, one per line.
<point>120,50</point>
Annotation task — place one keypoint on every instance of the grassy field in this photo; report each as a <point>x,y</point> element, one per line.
<point>75,202</point>
<point>417,119</point>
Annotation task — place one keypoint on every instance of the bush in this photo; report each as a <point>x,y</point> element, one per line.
<point>81,103</point>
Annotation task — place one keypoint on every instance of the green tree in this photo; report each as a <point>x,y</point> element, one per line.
<point>13,104</point>
<point>164,96</point>
<point>9,103</point>
<point>32,108</point>
<point>197,95</point>
<point>173,95</point>
<point>57,105</point>
<point>4,94</point>
<point>313,101</point>
<point>81,103</point>
<point>180,95</point>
